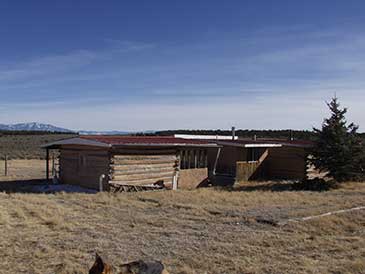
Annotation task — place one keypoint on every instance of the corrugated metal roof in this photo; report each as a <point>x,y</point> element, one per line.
<point>110,141</point>
<point>120,140</point>
<point>75,141</point>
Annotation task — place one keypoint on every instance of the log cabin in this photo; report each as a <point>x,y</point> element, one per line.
<point>127,162</point>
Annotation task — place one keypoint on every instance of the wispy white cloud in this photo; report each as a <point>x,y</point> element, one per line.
<point>277,78</point>
<point>60,64</point>
<point>285,111</point>
<point>47,65</point>
<point>128,46</point>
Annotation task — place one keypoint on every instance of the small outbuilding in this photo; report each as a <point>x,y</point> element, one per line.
<point>103,162</point>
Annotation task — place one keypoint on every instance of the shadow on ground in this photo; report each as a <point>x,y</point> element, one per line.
<point>40,186</point>
<point>277,186</point>
<point>261,186</point>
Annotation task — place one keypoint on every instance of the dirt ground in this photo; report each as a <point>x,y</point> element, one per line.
<point>200,231</point>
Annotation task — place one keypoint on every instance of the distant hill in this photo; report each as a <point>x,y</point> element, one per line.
<point>33,127</point>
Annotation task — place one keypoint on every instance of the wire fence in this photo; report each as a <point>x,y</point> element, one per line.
<point>11,170</point>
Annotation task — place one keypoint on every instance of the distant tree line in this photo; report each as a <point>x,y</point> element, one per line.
<point>242,133</point>
<point>245,133</point>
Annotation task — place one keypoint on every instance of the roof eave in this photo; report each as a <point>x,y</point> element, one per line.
<point>93,143</point>
<point>166,145</point>
<point>250,145</point>
<point>262,145</point>
<point>75,142</point>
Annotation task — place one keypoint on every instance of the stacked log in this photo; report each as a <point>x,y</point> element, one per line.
<point>143,170</point>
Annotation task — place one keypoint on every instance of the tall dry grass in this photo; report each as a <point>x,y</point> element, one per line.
<point>201,231</point>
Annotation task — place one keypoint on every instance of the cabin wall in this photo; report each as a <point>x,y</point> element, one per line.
<point>286,163</point>
<point>235,162</point>
<point>228,158</point>
<point>144,166</point>
<point>225,171</point>
<point>83,167</point>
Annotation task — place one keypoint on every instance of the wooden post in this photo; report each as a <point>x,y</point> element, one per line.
<point>205,158</point>
<point>202,159</point>
<point>53,166</point>
<point>174,182</point>
<point>189,158</point>
<point>195,159</point>
<point>101,180</point>
<point>216,161</point>
<point>182,163</point>
<point>47,164</point>
<point>180,155</point>
<point>6,165</point>
<point>175,178</point>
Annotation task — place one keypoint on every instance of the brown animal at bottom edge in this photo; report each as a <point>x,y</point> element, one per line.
<point>138,267</point>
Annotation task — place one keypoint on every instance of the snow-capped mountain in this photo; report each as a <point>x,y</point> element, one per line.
<point>50,128</point>
<point>33,127</point>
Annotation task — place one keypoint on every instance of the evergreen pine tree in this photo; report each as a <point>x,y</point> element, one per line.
<point>338,149</point>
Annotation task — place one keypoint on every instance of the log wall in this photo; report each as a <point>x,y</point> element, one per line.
<point>83,167</point>
<point>144,167</point>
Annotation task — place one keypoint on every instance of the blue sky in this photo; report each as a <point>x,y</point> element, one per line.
<point>142,65</point>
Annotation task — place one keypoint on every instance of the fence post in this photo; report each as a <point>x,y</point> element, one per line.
<point>6,165</point>
<point>53,166</point>
<point>47,165</point>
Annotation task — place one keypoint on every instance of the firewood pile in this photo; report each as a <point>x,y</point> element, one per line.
<point>116,188</point>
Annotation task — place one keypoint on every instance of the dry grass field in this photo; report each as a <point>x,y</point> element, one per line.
<point>27,146</point>
<point>201,231</point>
<point>23,170</point>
